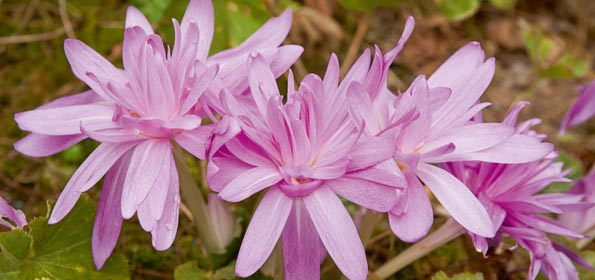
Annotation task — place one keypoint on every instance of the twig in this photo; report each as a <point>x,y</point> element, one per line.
<point>29,38</point>
<point>362,27</point>
<point>65,20</point>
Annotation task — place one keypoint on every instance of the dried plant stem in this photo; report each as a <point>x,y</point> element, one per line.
<point>196,203</point>
<point>65,19</point>
<point>29,38</point>
<point>447,232</point>
<point>368,223</point>
<point>362,27</point>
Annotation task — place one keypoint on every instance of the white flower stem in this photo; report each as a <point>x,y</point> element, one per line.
<point>196,203</point>
<point>447,232</point>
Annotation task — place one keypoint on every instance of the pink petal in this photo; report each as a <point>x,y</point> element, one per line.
<point>65,120</point>
<point>201,12</point>
<point>582,109</point>
<point>112,135</point>
<point>516,149</point>
<point>108,220</point>
<point>89,173</point>
<point>164,232</point>
<point>222,170</point>
<point>263,231</point>
<point>93,69</point>
<point>233,72</point>
<point>337,232</point>
<point>468,138</point>
<point>40,145</point>
<point>413,216</point>
<point>270,35</point>
<point>225,130</point>
<point>134,17</point>
<point>148,168</point>
<point>458,200</point>
<point>249,183</point>
<point>86,97</point>
<point>369,151</point>
<point>262,82</point>
<point>196,141</point>
<point>368,194</point>
<point>301,245</point>
<point>15,216</point>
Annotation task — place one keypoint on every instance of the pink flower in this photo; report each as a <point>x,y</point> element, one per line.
<point>160,98</point>
<point>432,123</point>
<point>511,194</point>
<point>582,221</point>
<point>9,217</point>
<point>307,152</point>
<point>582,109</point>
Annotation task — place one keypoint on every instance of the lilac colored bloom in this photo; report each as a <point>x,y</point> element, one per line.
<point>432,123</point>
<point>9,217</point>
<point>510,193</point>
<point>138,114</point>
<point>582,221</point>
<point>582,109</point>
<point>307,152</point>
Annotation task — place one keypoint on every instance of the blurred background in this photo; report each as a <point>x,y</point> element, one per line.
<point>544,50</point>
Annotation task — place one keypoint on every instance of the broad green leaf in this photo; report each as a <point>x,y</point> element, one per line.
<point>189,271</point>
<point>60,251</point>
<point>538,45</point>
<point>503,4</point>
<point>368,6</point>
<point>459,9</point>
<point>153,9</point>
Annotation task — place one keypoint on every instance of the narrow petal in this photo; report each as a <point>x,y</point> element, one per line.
<point>108,220</point>
<point>112,135</point>
<point>196,141</point>
<point>581,110</point>
<point>15,216</point>
<point>91,68</point>
<point>249,183</point>
<point>337,232</point>
<point>368,194</point>
<point>263,231</point>
<point>271,34</point>
<point>301,245</point>
<point>201,12</point>
<point>222,170</point>
<point>40,145</point>
<point>516,149</point>
<point>469,138</point>
<point>134,17</point>
<point>89,173</point>
<point>412,221</point>
<point>65,120</point>
<point>148,168</point>
<point>369,151</point>
<point>458,200</point>
<point>164,232</point>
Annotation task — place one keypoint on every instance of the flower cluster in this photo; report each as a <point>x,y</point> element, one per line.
<point>330,139</point>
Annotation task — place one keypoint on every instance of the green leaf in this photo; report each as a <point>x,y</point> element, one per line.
<point>189,271</point>
<point>368,6</point>
<point>60,251</point>
<point>459,9</point>
<point>503,4</point>
<point>584,273</point>
<point>461,276</point>
<point>153,9</point>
